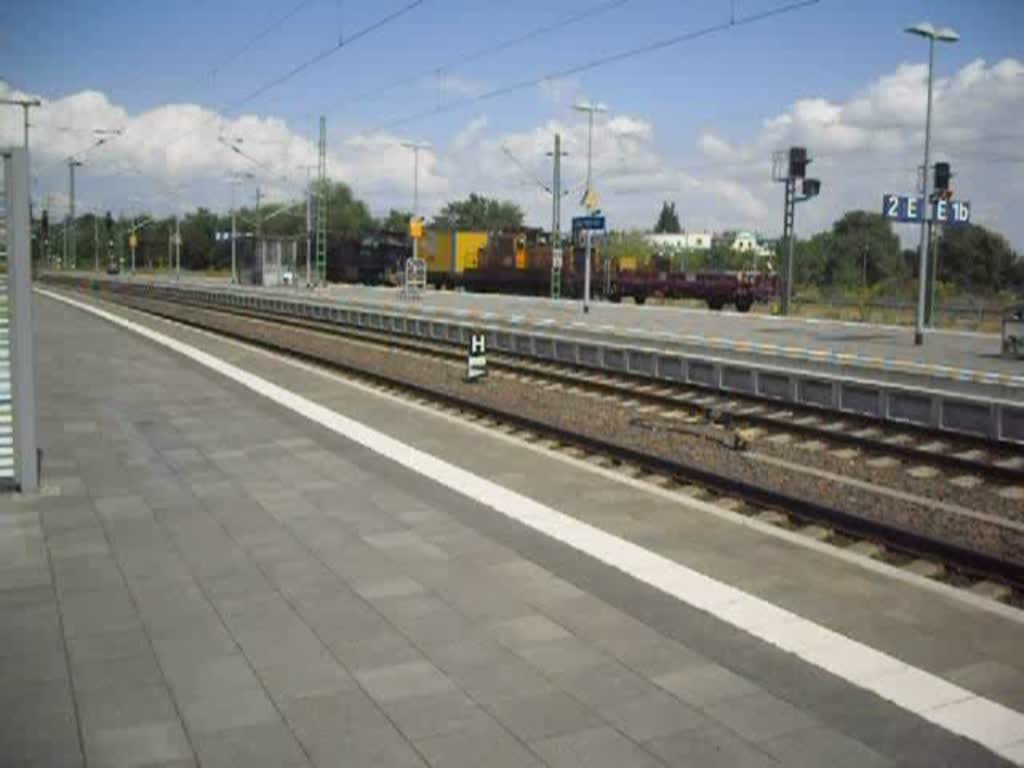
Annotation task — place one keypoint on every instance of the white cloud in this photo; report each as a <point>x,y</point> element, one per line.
<point>863,146</point>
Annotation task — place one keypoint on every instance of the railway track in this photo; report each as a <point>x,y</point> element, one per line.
<point>967,461</point>
<point>953,563</point>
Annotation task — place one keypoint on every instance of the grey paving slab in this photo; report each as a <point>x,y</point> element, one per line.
<point>760,716</point>
<point>478,742</point>
<point>540,716</point>
<point>38,725</point>
<point>415,678</point>
<point>594,748</point>
<point>706,684</point>
<point>822,746</point>
<point>348,724</point>
<point>260,746</point>
<point>150,743</point>
<point>715,747</point>
<point>652,715</point>
<point>420,717</point>
<point>527,631</point>
<point>124,702</point>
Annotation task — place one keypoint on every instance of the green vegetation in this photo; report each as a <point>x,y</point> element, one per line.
<point>668,220</point>
<point>396,220</point>
<point>480,213</point>
<point>861,252</point>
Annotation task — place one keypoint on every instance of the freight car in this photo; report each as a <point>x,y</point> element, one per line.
<point>376,259</point>
<point>520,263</point>
<point>716,288</point>
<point>449,253</point>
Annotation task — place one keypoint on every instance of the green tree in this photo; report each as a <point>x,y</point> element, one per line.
<point>479,212</point>
<point>198,236</point>
<point>864,251</point>
<point>668,220</point>
<point>347,216</point>
<point>977,259</point>
<point>396,221</point>
<point>811,259</point>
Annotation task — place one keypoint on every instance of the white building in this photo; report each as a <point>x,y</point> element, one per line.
<point>693,241</point>
<point>746,242</point>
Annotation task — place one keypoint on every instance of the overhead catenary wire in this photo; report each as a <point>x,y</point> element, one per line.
<point>526,171</point>
<point>326,52</point>
<point>489,50</point>
<point>601,61</point>
<point>248,45</point>
<point>217,114</point>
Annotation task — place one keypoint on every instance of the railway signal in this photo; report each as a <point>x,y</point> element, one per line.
<point>788,167</point>
<point>942,178</point>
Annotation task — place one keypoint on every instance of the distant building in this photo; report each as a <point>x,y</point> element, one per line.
<point>746,242</point>
<point>693,241</point>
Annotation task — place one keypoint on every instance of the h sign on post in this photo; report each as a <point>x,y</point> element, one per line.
<point>476,361</point>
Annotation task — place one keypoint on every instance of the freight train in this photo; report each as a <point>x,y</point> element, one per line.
<point>520,263</point>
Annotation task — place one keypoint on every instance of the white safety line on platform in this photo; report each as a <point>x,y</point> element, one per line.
<point>956,709</point>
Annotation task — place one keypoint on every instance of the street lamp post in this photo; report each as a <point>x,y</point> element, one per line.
<point>74,162</point>
<point>69,227</point>
<point>946,35</point>
<point>235,179</point>
<point>26,105</point>
<point>589,201</point>
<point>415,147</point>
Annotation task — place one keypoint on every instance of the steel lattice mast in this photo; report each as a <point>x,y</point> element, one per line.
<point>321,207</point>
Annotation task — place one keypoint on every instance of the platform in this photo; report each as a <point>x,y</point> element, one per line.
<point>244,561</point>
<point>958,356</point>
<point>867,344</point>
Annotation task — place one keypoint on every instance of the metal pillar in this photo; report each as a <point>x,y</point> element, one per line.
<point>556,221</point>
<point>95,243</point>
<point>234,235</point>
<point>586,278</point>
<point>309,232</point>
<point>177,246</point>
<point>321,206</point>
<point>19,288</point>
<point>789,215</point>
<point>922,277</point>
<point>934,231</point>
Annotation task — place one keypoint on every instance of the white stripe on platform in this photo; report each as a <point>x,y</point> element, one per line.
<point>956,709</point>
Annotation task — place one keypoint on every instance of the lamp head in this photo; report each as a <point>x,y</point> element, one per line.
<point>926,29</point>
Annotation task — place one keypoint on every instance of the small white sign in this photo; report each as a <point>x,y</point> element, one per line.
<point>556,258</point>
<point>476,360</point>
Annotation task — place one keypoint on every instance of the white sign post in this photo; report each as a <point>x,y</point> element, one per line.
<point>476,360</point>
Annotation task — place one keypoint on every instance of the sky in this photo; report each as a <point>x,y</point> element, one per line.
<point>487,84</point>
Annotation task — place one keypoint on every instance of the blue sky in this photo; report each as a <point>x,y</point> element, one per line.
<point>150,53</point>
<point>143,55</point>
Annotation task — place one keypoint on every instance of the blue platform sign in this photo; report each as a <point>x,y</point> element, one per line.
<point>909,208</point>
<point>587,222</point>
